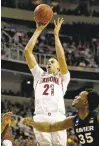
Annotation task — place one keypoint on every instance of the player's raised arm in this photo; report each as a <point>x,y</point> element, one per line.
<point>30,46</point>
<point>59,48</point>
<point>47,127</point>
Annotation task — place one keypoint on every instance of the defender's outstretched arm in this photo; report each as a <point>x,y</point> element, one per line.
<point>47,127</point>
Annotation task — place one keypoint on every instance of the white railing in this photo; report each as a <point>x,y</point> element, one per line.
<point>15,53</point>
<point>5,33</point>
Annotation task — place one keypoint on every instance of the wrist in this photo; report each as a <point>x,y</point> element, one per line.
<point>56,35</point>
<point>38,31</point>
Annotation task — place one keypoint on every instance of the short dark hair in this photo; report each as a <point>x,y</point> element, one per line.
<point>93,100</point>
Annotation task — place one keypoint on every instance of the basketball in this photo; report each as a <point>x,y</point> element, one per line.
<point>43,14</point>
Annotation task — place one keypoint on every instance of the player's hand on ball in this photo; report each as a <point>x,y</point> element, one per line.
<point>40,27</point>
<point>58,24</point>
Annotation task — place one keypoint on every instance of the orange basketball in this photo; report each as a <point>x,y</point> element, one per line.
<point>43,13</point>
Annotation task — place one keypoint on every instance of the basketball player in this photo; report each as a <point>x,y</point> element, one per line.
<point>6,122</point>
<point>49,87</point>
<point>85,123</point>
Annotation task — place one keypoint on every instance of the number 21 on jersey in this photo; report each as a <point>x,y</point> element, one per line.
<point>48,87</point>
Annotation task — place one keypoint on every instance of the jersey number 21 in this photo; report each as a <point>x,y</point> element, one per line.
<point>48,87</point>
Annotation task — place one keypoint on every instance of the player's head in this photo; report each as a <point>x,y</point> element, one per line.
<point>80,101</point>
<point>52,66</point>
<point>93,100</point>
<point>89,100</point>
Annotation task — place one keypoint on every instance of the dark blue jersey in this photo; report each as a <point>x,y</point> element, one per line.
<point>87,130</point>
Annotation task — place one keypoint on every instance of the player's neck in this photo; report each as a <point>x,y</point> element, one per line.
<point>54,73</point>
<point>83,113</point>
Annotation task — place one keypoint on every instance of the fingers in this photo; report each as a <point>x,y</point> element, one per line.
<point>62,20</point>
<point>40,25</point>
<point>59,21</point>
<point>46,24</point>
<point>9,122</point>
<point>7,115</point>
<point>55,23</point>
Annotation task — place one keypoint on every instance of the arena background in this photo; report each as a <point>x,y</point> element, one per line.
<point>80,38</point>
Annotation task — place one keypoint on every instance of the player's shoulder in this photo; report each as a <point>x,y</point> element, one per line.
<point>65,77</point>
<point>66,74</point>
<point>37,70</point>
<point>96,117</point>
<point>44,73</point>
<point>94,113</point>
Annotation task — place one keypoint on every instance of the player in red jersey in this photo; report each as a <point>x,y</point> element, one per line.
<point>50,87</point>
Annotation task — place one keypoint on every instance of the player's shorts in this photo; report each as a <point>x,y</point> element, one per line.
<point>58,138</point>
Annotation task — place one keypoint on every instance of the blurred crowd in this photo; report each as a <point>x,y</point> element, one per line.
<point>22,135</point>
<point>10,92</point>
<point>81,47</point>
<point>18,108</point>
<point>80,10</point>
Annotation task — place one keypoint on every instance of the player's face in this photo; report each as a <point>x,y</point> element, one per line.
<point>80,101</point>
<point>52,66</point>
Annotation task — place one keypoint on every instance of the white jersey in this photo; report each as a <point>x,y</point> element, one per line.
<point>49,91</point>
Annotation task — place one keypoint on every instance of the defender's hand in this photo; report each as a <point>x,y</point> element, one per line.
<point>58,24</point>
<point>7,116</point>
<point>6,119</point>
<point>28,121</point>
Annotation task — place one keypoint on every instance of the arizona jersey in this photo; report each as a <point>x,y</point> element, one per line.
<point>49,91</point>
<point>87,130</point>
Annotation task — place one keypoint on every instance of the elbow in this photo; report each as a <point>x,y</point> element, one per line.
<point>27,52</point>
